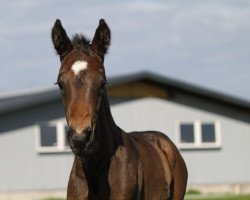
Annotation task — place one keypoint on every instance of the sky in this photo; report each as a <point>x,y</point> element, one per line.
<point>202,42</point>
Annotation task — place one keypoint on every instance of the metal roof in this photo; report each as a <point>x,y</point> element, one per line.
<point>21,100</point>
<point>176,84</point>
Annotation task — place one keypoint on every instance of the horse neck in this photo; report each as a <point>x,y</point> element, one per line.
<point>107,138</point>
<point>108,134</point>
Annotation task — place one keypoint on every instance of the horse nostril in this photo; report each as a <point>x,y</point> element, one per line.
<point>83,136</point>
<point>88,130</point>
<point>70,130</point>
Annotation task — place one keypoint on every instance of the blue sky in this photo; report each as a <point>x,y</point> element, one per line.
<point>206,43</point>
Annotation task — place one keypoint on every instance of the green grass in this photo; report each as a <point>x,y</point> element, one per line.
<point>192,192</point>
<point>217,197</point>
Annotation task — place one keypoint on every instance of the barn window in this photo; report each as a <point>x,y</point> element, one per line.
<point>198,134</point>
<point>48,135</point>
<point>51,137</point>
<point>208,132</point>
<point>187,133</point>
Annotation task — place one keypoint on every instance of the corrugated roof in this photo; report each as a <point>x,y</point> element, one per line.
<point>21,100</point>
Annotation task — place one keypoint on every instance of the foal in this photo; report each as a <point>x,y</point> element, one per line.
<point>109,163</point>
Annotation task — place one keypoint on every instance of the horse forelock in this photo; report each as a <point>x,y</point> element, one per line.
<point>80,42</point>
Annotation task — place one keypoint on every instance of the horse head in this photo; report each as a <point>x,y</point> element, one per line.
<point>81,80</point>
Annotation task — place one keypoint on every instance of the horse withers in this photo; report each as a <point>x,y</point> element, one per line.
<point>109,163</point>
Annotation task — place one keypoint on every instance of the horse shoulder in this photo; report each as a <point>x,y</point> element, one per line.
<point>77,185</point>
<point>175,166</point>
<point>123,173</point>
<point>154,148</point>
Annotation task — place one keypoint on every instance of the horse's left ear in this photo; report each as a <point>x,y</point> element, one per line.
<point>101,41</point>
<point>60,40</point>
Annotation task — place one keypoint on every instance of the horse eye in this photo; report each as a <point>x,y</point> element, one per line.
<point>60,85</point>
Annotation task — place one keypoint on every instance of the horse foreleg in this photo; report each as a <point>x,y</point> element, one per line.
<point>77,185</point>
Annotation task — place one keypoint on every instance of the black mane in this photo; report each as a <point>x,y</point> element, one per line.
<point>80,42</point>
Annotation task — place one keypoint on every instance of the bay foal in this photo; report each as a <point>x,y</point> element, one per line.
<point>109,163</point>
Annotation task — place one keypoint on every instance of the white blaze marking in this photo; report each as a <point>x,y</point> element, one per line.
<point>79,66</point>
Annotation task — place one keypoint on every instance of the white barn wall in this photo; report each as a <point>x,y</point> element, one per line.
<point>223,165</point>
<point>26,169</point>
<point>23,168</point>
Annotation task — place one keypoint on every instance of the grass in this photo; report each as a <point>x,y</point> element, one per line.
<point>192,194</point>
<point>217,197</point>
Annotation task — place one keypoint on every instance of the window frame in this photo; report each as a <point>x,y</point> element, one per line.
<point>60,137</point>
<point>198,144</point>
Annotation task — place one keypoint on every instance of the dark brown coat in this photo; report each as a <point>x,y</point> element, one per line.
<point>109,163</point>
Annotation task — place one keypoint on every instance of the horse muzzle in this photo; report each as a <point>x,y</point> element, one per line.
<point>80,142</point>
<point>84,136</point>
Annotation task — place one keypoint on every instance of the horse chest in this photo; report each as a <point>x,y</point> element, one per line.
<point>137,175</point>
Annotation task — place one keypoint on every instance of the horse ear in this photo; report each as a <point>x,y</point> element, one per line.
<point>60,40</point>
<point>101,41</point>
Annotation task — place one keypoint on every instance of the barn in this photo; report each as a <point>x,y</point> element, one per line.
<point>211,129</point>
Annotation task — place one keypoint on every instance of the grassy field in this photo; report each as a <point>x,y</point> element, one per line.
<point>217,197</point>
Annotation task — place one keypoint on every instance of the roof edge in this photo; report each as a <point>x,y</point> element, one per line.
<point>185,86</point>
